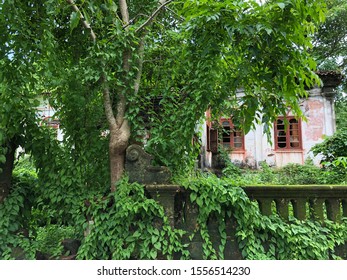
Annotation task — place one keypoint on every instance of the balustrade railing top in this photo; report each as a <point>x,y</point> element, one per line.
<point>316,202</point>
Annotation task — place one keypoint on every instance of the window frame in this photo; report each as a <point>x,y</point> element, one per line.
<point>288,132</point>
<point>231,143</point>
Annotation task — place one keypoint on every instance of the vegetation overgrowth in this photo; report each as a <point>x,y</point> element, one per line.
<point>291,174</point>
<point>127,224</point>
<point>102,66</point>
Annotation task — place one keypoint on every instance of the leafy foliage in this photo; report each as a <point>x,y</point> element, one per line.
<point>341,113</point>
<point>196,54</point>
<point>127,225</point>
<point>259,237</point>
<point>291,174</point>
<point>48,240</point>
<point>334,152</point>
<point>332,147</point>
<point>15,214</point>
<point>330,40</point>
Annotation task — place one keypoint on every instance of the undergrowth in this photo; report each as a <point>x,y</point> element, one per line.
<point>291,174</point>
<point>127,224</point>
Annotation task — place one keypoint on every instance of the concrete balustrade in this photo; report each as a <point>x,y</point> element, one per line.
<point>303,202</point>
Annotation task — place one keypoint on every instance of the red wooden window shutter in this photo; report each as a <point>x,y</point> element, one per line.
<point>214,140</point>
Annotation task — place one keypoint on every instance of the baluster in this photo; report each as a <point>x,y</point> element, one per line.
<point>333,210</point>
<point>282,208</point>
<point>265,206</point>
<point>299,207</point>
<point>317,209</point>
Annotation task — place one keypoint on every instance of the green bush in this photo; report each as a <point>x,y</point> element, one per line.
<point>334,156</point>
<point>297,174</point>
<point>48,239</point>
<point>15,215</point>
<point>332,147</point>
<point>291,174</point>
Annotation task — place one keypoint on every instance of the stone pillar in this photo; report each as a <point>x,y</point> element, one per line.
<point>317,205</point>
<point>331,80</point>
<point>165,196</point>
<point>299,206</point>
<point>282,208</point>
<point>265,206</point>
<point>333,210</point>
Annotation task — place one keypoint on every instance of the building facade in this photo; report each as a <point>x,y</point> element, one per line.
<point>291,138</point>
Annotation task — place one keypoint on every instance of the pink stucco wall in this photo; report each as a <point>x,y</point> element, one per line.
<point>315,120</point>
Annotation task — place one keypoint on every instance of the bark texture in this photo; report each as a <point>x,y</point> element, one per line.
<point>118,143</point>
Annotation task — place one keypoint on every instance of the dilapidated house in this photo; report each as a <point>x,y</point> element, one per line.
<point>291,143</point>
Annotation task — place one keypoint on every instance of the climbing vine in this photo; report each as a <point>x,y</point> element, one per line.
<point>15,217</point>
<point>206,52</point>
<point>127,224</point>
<point>258,236</point>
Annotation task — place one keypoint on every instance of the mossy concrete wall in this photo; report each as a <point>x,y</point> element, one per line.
<point>302,202</point>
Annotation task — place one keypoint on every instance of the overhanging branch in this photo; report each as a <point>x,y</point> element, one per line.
<point>123,6</point>
<point>84,20</point>
<point>152,17</point>
<point>107,102</point>
<point>140,64</point>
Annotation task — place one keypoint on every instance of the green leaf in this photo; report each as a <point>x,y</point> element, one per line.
<point>157,246</point>
<point>154,239</point>
<point>74,20</point>
<point>281,5</point>
<point>193,196</point>
<point>153,254</point>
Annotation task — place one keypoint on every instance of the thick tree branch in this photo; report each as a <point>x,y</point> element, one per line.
<point>177,15</point>
<point>84,21</point>
<point>108,103</point>
<point>140,64</point>
<point>121,104</point>
<point>152,17</point>
<point>123,6</point>
<point>121,107</point>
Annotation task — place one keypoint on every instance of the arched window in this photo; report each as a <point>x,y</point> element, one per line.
<point>232,137</point>
<point>288,133</point>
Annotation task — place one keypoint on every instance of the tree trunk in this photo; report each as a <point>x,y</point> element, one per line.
<point>118,143</point>
<point>118,125</point>
<point>7,168</point>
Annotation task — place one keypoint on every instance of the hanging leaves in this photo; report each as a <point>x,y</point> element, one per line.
<point>74,20</point>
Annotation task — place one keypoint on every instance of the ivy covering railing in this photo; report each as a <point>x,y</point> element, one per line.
<point>220,221</point>
<point>303,202</point>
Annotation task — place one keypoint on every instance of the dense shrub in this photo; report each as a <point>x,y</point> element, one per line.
<point>297,174</point>
<point>291,174</point>
<point>332,147</point>
<point>15,215</point>
<point>334,156</point>
<point>128,225</point>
